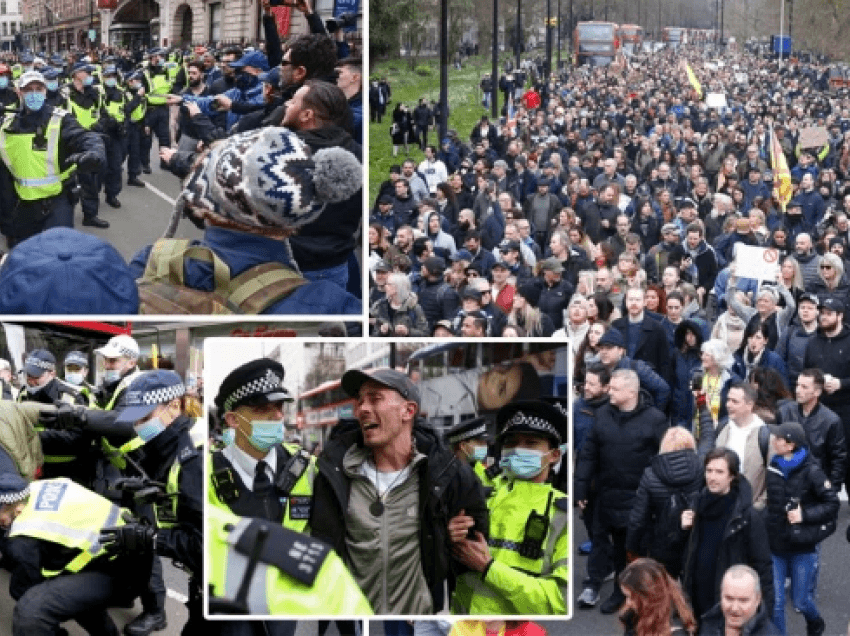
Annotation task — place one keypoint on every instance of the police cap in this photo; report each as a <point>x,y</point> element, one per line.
<point>254,383</point>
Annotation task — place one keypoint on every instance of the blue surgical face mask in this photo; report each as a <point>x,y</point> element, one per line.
<point>523,463</point>
<point>88,81</point>
<point>479,453</point>
<point>110,81</point>
<point>4,82</point>
<point>52,85</point>
<point>228,436</point>
<point>265,433</point>
<point>111,375</point>
<point>150,429</point>
<point>34,100</point>
<point>74,377</point>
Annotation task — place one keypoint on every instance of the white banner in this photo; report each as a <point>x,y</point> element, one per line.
<point>761,263</point>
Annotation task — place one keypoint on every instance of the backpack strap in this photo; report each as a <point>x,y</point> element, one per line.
<point>167,260</point>
<point>764,442</point>
<point>260,287</point>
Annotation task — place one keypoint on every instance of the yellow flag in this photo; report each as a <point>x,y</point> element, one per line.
<point>782,189</point>
<point>693,79</point>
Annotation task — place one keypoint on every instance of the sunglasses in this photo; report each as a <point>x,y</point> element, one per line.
<point>826,266</point>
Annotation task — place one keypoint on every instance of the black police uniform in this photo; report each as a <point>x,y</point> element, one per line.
<point>181,542</point>
<point>117,140</point>
<point>21,219</point>
<point>87,99</point>
<point>157,118</point>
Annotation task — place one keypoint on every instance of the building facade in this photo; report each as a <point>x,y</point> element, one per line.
<point>57,25</point>
<point>10,23</point>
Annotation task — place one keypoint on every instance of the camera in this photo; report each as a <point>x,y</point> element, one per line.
<point>342,21</point>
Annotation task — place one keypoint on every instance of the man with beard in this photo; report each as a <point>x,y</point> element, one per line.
<point>808,259</point>
<point>317,113</point>
<point>404,241</point>
<point>404,202</point>
<point>482,258</point>
<point>606,211</point>
<point>829,351</point>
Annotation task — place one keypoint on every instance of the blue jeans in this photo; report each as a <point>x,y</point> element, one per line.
<point>337,274</point>
<point>802,568</point>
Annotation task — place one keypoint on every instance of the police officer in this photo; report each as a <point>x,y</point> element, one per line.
<point>55,97</point>
<point>468,440</point>
<point>8,96</point>
<point>290,574</point>
<point>170,455</point>
<point>157,85</point>
<point>524,567</point>
<point>115,136</point>
<point>60,566</point>
<point>76,372</point>
<point>256,475</point>
<point>120,355</point>
<point>66,453</point>
<point>138,137</point>
<point>36,146</point>
<point>42,384</point>
<point>85,102</point>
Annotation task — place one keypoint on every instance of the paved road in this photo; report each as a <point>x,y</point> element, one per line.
<point>832,589</point>
<point>144,212</point>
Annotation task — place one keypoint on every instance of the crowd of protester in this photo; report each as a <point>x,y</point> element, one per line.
<point>611,210</point>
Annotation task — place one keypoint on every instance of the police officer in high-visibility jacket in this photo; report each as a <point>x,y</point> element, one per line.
<point>55,97</point>
<point>77,372</point>
<point>120,356</point>
<point>157,84</point>
<point>115,101</point>
<point>524,566</point>
<point>61,566</point>
<point>67,453</point>
<point>85,102</point>
<point>256,474</point>
<point>290,573</point>
<point>468,440</point>
<point>171,455</point>
<point>39,147</point>
<point>137,137</point>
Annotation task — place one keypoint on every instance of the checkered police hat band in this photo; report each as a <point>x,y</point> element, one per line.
<point>536,423</point>
<point>14,497</point>
<point>41,364</point>
<point>162,395</point>
<point>269,383</point>
<point>475,432</point>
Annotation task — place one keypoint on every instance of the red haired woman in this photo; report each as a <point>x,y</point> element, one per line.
<point>655,604</point>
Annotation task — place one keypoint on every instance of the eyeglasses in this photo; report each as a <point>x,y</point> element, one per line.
<point>826,266</point>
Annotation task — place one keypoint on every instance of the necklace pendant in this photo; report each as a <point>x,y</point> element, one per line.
<point>376,508</point>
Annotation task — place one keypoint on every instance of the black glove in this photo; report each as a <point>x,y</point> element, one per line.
<point>66,416</point>
<point>132,538</point>
<point>88,161</point>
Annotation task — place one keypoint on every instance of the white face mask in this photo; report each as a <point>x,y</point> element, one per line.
<point>74,377</point>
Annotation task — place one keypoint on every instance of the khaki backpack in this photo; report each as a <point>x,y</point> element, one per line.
<point>163,290</point>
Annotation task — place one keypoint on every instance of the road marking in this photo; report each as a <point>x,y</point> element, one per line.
<point>160,194</point>
<point>177,596</point>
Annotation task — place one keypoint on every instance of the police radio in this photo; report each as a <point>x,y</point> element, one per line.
<point>536,529</point>
<point>292,472</point>
<point>225,486</point>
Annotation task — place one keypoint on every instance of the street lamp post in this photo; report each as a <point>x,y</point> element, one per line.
<point>548,69</point>
<point>559,35</point>
<point>518,32</point>
<point>442,125</point>
<point>495,75</point>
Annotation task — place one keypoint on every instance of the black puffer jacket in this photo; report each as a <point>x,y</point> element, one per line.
<point>744,541</point>
<point>678,474</point>
<point>807,485</point>
<point>825,436</point>
<point>713,623</point>
<point>446,486</point>
<point>617,450</point>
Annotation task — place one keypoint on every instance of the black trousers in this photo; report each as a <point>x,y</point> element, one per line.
<point>26,223</point>
<point>116,152</point>
<point>157,119</point>
<point>137,144</point>
<point>83,597</point>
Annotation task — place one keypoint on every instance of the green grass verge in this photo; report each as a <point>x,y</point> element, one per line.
<point>408,86</point>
